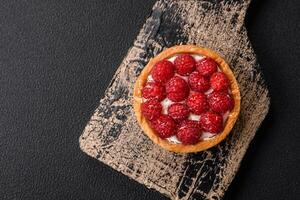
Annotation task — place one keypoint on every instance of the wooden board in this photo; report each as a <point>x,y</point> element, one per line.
<point>113,135</point>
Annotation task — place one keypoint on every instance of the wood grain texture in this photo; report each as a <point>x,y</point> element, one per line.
<point>113,135</point>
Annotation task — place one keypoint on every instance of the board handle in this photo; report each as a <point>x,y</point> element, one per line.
<point>235,9</point>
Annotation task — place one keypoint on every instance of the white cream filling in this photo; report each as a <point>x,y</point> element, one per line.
<point>194,117</point>
<point>150,78</point>
<point>173,139</point>
<point>167,102</point>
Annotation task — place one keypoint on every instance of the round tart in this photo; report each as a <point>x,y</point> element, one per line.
<point>186,99</point>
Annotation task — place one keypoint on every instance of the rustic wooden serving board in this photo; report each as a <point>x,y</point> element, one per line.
<point>113,135</point>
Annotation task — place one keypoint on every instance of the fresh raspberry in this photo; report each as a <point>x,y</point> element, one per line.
<point>197,103</point>
<point>220,102</point>
<point>164,126</point>
<point>206,66</point>
<point>188,133</point>
<point>177,89</point>
<point>151,109</point>
<point>178,111</point>
<point>184,64</point>
<point>198,82</point>
<point>211,122</point>
<point>163,71</point>
<point>154,90</point>
<point>219,81</point>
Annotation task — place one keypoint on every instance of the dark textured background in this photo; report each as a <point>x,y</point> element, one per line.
<point>57,58</point>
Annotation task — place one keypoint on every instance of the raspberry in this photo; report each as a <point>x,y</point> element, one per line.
<point>163,71</point>
<point>188,133</point>
<point>220,102</point>
<point>197,103</point>
<point>164,126</point>
<point>184,64</point>
<point>178,111</point>
<point>219,81</point>
<point>151,109</point>
<point>154,90</point>
<point>206,66</point>
<point>211,122</point>
<point>198,82</point>
<point>177,89</point>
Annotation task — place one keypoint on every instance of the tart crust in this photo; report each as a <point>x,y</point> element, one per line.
<point>202,144</point>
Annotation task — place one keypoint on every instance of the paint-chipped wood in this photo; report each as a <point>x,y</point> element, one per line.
<point>113,135</point>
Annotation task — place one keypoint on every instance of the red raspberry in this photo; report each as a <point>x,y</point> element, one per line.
<point>198,82</point>
<point>211,122</point>
<point>188,133</point>
<point>219,81</point>
<point>206,66</point>
<point>197,103</point>
<point>184,64</point>
<point>163,71</point>
<point>164,126</point>
<point>177,89</point>
<point>151,109</point>
<point>154,90</point>
<point>220,102</point>
<point>178,111</point>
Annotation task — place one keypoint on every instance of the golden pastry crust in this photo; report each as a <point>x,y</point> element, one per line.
<point>202,144</point>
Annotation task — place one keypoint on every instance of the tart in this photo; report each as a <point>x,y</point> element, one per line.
<point>186,99</point>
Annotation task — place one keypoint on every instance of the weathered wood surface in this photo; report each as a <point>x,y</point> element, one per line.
<point>113,135</point>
